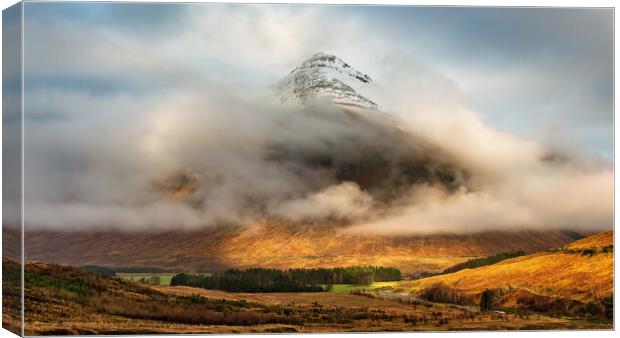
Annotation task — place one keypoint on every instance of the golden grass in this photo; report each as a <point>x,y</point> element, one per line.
<point>103,305</point>
<point>557,274</point>
<point>444,317</point>
<point>281,245</point>
<point>599,240</point>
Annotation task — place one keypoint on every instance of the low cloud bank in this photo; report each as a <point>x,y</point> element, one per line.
<point>175,127</point>
<point>197,160</point>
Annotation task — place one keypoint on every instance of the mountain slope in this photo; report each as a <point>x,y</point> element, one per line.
<point>278,245</point>
<point>581,271</point>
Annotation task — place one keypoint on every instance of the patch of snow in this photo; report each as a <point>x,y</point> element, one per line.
<point>327,77</point>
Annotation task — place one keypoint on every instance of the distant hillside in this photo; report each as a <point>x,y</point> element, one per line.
<point>581,272</point>
<point>599,240</point>
<point>278,245</point>
<point>478,262</point>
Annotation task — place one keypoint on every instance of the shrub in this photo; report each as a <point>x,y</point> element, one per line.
<point>486,300</point>
<point>186,313</point>
<point>442,293</point>
<point>100,270</point>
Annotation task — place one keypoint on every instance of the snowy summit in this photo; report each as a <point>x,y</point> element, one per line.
<point>326,77</point>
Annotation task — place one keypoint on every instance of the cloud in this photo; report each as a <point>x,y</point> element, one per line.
<point>344,200</point>
<point>567,201</point>
<point>181,130</point>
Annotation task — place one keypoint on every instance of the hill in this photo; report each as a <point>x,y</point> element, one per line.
<point>278,245</point>
<point>61,300</point>
<point>599,240</point>
<point>580,273</point>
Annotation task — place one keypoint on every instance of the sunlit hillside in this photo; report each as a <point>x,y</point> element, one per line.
<point>282,245</point>
<point>581,271</point>
<point>599,240</point>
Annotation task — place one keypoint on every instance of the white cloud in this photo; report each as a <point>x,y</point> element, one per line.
<point>198,101</point>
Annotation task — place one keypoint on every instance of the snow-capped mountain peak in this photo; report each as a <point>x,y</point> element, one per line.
<point>327,77</point>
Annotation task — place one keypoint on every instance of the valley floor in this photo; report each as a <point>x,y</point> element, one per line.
<point>62,300</point>
<point>322,312</point>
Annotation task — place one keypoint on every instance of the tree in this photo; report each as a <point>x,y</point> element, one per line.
<point>365,278</point>
<point>486,300</point>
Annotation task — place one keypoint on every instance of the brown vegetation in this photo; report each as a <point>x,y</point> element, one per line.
<point>280,245</point>
<point>599,240</point>
<point>566,281</point>
<point>442,293</point>
<point>61,300</point>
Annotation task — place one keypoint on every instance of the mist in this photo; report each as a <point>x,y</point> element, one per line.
<point>199,160</point>
<point>164,140</point>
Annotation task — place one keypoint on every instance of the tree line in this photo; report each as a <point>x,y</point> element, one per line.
<point>291,280</point>
<point>112,271</point>
<point>478,262</point>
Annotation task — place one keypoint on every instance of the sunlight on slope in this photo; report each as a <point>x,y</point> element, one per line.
<point>553,273</point>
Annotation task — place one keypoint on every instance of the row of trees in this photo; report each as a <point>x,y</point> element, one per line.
<point>357,275</point>
<point>477,262</point>
<point>100,270</point>
<point>292,280</point>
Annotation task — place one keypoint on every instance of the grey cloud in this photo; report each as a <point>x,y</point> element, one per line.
<point>181,130</point>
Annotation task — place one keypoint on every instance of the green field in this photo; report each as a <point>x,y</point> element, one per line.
<point>164,278</point>
<point>350,287</point>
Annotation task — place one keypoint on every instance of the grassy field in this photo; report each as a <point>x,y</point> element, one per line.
<point>164,278</point>
<point>61,300</point>
<point>374,313</point>
<point>350,287</point>
<point>575,280</point>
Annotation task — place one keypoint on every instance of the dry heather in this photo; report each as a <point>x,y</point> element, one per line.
<point>578,276</point>
<point>599,240</point>
<point>61,300</point>
<point>281,245</point>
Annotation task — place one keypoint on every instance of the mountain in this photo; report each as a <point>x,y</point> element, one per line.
<point>326,77</point>
<point>367,145</point>
<point>277,244</point>
<point>379,158</point>
<point>560,280</point>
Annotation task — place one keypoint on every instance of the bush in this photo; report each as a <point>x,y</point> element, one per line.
<point>186,313</point>
<point>442,293</point>
<point>551,305</point>
<point>100,270</point>
<point>486,301</point>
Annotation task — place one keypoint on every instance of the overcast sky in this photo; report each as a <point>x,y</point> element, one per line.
<point>531,71</point>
